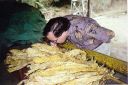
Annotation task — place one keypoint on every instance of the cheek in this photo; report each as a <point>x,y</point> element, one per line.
<point>62,38</point>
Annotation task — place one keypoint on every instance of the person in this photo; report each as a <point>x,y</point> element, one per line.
<point>84,32</point>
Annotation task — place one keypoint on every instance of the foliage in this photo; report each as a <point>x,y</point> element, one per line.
<point>50,66</point>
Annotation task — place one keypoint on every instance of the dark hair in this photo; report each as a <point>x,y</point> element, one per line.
<point>57,25</point>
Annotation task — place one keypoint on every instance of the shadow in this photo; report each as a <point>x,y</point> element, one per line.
<point>7,78</point>
<point>60,3</point>
<point>7,9</point>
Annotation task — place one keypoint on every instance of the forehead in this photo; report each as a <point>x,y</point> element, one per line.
<point>51,36</point>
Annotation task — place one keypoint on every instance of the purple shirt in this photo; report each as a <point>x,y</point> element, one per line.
<point>86,33</point>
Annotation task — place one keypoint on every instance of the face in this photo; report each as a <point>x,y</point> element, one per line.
<point>54,40</point>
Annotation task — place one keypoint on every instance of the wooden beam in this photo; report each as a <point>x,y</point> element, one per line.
<point>111,62</point>
<point>127,7</point>
<point>88,9</point>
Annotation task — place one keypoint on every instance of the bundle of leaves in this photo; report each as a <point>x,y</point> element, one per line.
<point>48,65</point>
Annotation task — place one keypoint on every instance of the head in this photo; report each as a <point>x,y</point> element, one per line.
<point>56,29</point>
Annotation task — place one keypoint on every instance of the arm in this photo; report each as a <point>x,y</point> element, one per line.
<point>93,45</point>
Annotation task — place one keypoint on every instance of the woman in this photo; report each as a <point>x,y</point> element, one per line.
<point>84,32</point>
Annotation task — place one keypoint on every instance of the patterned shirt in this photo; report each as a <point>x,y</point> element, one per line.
<point>86,33</point>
